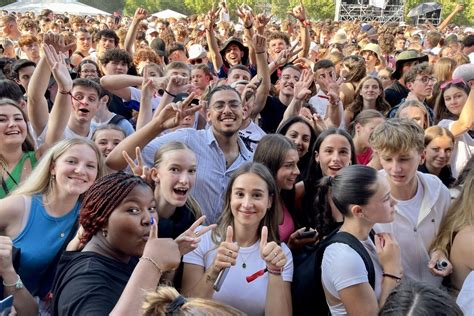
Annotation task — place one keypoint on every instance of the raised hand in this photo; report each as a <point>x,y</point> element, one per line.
<point>138,169</point>
<point>388,252</point>
<point>173,113</point>
<point>271,253</point>
<point>164,251</point>
<point>259,43</point>
<point>140,14</point>
<point>178,84</point>
<point>285,55</point>
<point>58,67</point>
<point>298,12</point>
<point>246,16</point>
<point>188,241</point>
<point>302,90</point>
<point>227,252</point>
<point>57,41</point>
<point>296,242</point>
<point>439,255</point>
<point>261,21</point>
<point>211,18</point>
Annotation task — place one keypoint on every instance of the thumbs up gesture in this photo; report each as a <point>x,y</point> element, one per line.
<point>227,252</point>
<point>271,252</point>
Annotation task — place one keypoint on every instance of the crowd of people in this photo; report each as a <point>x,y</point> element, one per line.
<point>186,166</point>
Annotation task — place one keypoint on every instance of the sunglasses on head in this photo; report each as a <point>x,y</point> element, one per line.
<point>452,82</point>
<point>196,61</point>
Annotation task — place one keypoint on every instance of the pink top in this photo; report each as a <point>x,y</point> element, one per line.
<point>287,227</point>
<point>364,157</point>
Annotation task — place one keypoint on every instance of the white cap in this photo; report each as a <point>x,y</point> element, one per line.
<point>150,30</point>
<point>196,51</point>
<point>469,30</point>
<point>313,46</point>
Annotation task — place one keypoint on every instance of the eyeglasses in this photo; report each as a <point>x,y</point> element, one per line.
<point>196,61</point>
<point>425,80</point>
<point>220,106</point>
<point>451,82</point>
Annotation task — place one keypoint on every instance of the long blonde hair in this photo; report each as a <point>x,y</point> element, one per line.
<point>158,302</point>
<point>191,202</point>
<point>460,215</point>
<point>40,180</point>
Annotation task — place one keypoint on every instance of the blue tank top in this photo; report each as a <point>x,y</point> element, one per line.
<point>40,241</point>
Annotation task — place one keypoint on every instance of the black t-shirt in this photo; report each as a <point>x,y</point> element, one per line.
<point>117,106</point>
<point>89,284</point>
<point>272,114</point>
<point>177,224</point>
<point>395,93</point>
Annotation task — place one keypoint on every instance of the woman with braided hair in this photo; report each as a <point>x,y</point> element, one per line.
<point>119,222</point>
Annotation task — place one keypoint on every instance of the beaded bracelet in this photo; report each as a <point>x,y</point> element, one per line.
<point>274,271</point>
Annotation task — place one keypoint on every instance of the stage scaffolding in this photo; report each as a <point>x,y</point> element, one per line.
<point>370,10</point>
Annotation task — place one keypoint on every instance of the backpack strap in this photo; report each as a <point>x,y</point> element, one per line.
<point>354,243</point>
<point>116,119</point>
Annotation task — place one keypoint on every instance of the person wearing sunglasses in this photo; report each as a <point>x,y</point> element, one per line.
<point>197,55</point>
<point>454,110</point>
<point>420,81</point>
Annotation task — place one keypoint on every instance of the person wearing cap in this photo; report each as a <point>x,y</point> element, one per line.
<point>197,54</point>
<point>404,62</point>
<point>177,52</point>
<point>373,57</point>
<point>466,73</point>
<point>468,47</point>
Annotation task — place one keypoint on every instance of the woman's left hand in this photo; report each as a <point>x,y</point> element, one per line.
<point>271,252</point>
<point>188,241</point>
<point>439,256</point>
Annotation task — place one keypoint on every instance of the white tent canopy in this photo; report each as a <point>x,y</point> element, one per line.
<point>165,14</point>
<point>57,6</point>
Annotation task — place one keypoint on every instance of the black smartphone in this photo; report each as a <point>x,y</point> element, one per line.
<point>307,234</point>
<point>220,279</point>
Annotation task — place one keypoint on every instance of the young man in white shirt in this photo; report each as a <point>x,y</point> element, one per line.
<point>422,199</point>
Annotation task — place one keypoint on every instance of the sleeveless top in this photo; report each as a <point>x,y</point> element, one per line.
<point>40,241</point>
<point>14,178</point>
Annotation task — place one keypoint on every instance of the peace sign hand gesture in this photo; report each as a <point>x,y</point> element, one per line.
<point>138,169</point>
<point>173,113</point>
<point>271,252</point>
<point>188,241</point>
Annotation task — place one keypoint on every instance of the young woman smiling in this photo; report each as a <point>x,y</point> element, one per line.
<point>245,241</point>
<point>42,212</point>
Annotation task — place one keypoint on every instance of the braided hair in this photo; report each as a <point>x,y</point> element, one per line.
<point>102,198</point>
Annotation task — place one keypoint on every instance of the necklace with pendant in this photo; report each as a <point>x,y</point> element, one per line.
<point>244,259</point>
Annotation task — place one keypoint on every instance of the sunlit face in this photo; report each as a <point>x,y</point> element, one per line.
<point>175,176</point>
<point>31,51</point>
<point>455,98</point>
<point>85,103</point>
<point>238,74</point>
<point>422,86</point>
<point>106,43</point>
<point>116,67</point>
<point>76,169</point>
<point>233,55</point>
<point>300,134</point>
<point>83,41</point>
<point>334,154</point>
<point>12,126</point>
<point>107,140</point>
<point>381,206</point>
<point>370,90</point>
<point>414,113</point>
<point>401,167</point>
<point>288,172</point>
<point>225,112</point>
<point>438,152</point>
<point>128,227</point>
<point>249,200</point>
<point>178,72</point>
<point>88,71</point>
<point>276,46</point>
<point>289,77</point>
<point>199,79</point>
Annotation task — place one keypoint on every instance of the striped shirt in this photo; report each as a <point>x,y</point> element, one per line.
<point>212,175</point>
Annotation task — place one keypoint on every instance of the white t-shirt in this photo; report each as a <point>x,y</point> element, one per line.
<point>465,298</point>
<point>68,134</point>
<point>254,133</point>
<point>136,94</point>
<point>463,149</point>
<point>343,267</point>
<point>236,291</point>
<point>123,124</point>
<point>411,208</point>
<point>320,106</point>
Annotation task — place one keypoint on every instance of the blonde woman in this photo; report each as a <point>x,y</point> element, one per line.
<point>456,234</point>
<point>414,110</point>
<point>40,215</point>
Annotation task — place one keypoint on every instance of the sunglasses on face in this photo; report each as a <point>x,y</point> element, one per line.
<point>196,61</point>
<point>452,82</point>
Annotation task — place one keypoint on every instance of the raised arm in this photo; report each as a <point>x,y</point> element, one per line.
<point>214,54</point>
<point>140,14</point>
<point>38,112</point>
<point>120,84</point>
<point>445,22</point>
<point>466,118</point>
<point>62,104</point>
<point>169,117</point>
<point>248,19</point>
<point>263,72</point>
<point>145,113</point>
<point>299,13</point>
